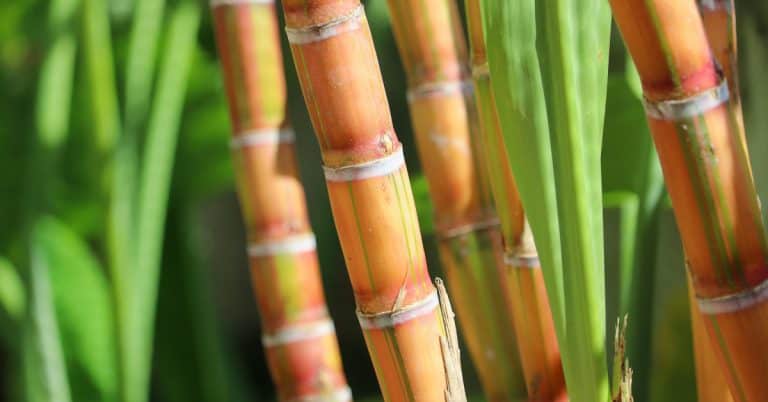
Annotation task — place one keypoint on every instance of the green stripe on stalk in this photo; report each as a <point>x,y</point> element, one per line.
<point>398,182</point>
<point>268,63</point>
<point>704,203</point>
<point>405,380</point>
<point>360,237</point>
<point>726,354</point>
<point>742,158</point>
<point>236,65</point>
<point>721,213</point>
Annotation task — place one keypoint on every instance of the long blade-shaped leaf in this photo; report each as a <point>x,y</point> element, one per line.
<point>154,187</point>
<point>630,164</point>
<point>84,311</point>
<point>548,63</point>
<point>45,374</point>
<point>513,60</point>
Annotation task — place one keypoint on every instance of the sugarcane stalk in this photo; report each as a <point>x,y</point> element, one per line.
<point>710,380</point>
<point>719,19</point>
<point>469,242</point>
<point>704,158</point>
<point>535,331</point>
<point>371,200</point>
<point>298,334</point>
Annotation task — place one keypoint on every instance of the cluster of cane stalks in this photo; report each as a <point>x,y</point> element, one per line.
<point>407,327</point>
<point>509,136</point>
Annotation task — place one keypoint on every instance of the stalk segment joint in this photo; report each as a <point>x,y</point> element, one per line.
<point>439,89</point>
<point>399,316</point>
<point>715,5</point>
<point>319,32</point>
<point>255,138</point>
<point>221,3</point>
<point>517,260</point>
<point>343,394</point>
<point>469,228</point>
<point>291,245</point>
<point>298,333</point>
<point>366,170</point>
<point>686,108</point>
<point>734,302</point>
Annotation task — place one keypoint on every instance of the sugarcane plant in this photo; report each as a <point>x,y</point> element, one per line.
<point>534,327</point>
<point>298,334</point>
<point>466,226</point>
<point>719,19</point>
<point>548,69</point>
<point>411,343</point>
<point>695,123</point>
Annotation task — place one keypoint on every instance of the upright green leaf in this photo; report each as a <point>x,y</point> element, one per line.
<point>510,32</point>
<point>101,75</point>
<point>154,186</point>
<point>44,370</point>
<point>54,90</point>
<point>630,164</point>
<point>548,62</point>
<point>84,311</point>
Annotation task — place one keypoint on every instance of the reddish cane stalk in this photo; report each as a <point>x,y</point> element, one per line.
<point>703,154</point>
<point>432,47</point>
<point>375,215</point>
<point>298,334</point>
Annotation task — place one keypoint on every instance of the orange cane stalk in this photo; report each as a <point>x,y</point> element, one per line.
<point>372,203</point>
<point>299,337</point>
<point>432,47</point>
<point>710,379</point>
<point>703,155</point>
<point>534,328</point>
<point>719,19</point>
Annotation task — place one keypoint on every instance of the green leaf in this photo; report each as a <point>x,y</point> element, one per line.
<point>621,252</point>
<point>549,61</point>
<point>44,369</point>
<point>154,186</point>
<point>12,293</point>
<point>84,311</point>
<point>630,165</point>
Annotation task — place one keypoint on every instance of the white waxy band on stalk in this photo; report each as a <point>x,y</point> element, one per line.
<point>715,5</point>
<point>255,138</point>
<point>391,319</point>
<point>522,261</point>
<point>343,394</point>
<point>375,168</point>
<point>439,89</point>
<point>218,3</point>
<point>315,33</point>
<point>481,70</point>
<point>680,109</point>
<point>298,333</point>
<point>290,245</point>
<point>470,228</point>
<point>734,302</point>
